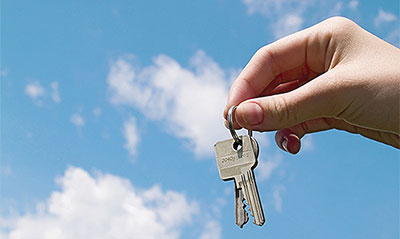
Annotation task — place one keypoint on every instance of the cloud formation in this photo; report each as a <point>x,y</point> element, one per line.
<point>267,167</point>
<point>384,17</point>
<point>212,230</point>
<point>289,16</point>
<point>97,112</point>
<point>353,4</point>
<point>77,120</point>
<point>103,206</point>
<point>289,24</point>
<point>34,90</point>
<point>277,196</point>
<point>131,136</point>
<point>286,15</point>
<point>55,94</point>
<point>38,93</point>
<point>189,101</point>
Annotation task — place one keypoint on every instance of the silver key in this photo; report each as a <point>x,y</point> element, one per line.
<point>236,159</point>
<point>241,216</point>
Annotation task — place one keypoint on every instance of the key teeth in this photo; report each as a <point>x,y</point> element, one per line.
<point>251,211</point>
<point>241,215</point>
<point>246,215</point>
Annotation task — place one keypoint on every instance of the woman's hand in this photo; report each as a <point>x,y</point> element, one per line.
<point>334,75</point>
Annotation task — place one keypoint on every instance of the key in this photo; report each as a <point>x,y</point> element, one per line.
<point>236,159</point>
<point>241,216</point>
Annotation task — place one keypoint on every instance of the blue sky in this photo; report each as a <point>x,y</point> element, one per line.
<point>110,110</point>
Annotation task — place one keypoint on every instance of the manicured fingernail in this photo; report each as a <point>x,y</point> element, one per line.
<point>252,113</point>
<point>285,143</point>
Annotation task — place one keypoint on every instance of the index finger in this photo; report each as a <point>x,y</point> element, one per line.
<point>307,47</point>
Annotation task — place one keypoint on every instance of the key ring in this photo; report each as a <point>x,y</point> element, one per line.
<point>230,125</point>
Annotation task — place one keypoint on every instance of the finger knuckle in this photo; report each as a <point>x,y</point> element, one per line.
<point>305,128</point>
<point>266,53</point>
<point>340,26</point>
<point>280,111</point>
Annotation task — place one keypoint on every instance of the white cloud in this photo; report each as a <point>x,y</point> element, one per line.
<point>55,94</point>
<point>277,197</point>
<point>34,90</point>
<point>103,206</point>
<point>394,37</point>
<point>289,16</point>
<point>286,25</point>
<point>212,230</point>
<point>217,205</point>
<point>189,101</point>
<point>337,9</point>
<point>353,4</point>
<point>271,7</point>
<point>38,93</point>
<point>262,139</point>
<point>228,191</point>
<point>265,168</point>
<point>97,111</point>
<point>307,143</point>
<point>286,16</point>
<point>77,120</point>
<point>384,17</point>
<point>131,136</point>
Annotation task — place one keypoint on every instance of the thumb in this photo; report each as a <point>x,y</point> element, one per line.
<point>321,97</point>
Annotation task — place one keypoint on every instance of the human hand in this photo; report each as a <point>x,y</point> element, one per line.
<point>334,75</point>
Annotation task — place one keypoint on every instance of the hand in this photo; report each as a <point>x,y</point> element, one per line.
<point>334,75</point>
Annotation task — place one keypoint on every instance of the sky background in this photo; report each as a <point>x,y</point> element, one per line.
<point>110,110</point>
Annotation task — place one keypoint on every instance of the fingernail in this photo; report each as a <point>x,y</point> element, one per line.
<point>252,113</point>
<point>284,143</point>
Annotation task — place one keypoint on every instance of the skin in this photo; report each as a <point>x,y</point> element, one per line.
<point>333,75</point>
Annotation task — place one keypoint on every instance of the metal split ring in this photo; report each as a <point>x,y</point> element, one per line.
<point>232,129</point>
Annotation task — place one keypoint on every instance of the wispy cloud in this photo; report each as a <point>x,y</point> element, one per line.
<point>267,167</point>
<point>55,94</point>
<point>337,9</point>
<point>286,15</point>
<point>212,230</point>
<point>268,7</point>
<point>307,143</point>
<point>353,4</point>
<point>77,120</point>
<point>287,25</point>
<point>277,197</point>
<point>384,17</point>
<point>131,135</point>
<point>188,100</point>
<point>104,206</point>
<point>35,90</point>
<point>38,93</point>
<point>394,37</point>
<point>97,111</point>
<point>289,16</point>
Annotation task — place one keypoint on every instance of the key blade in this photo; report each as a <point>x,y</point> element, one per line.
<point>241,216</point>
<point>249,187</point>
